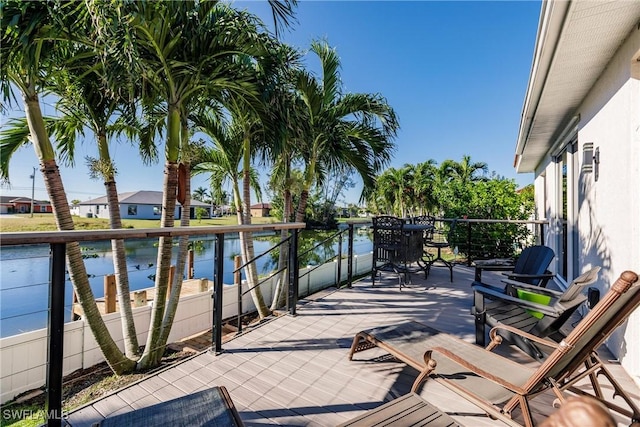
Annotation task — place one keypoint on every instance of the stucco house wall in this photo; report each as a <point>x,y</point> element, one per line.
<point>133,205</point>
<point>608,209</point>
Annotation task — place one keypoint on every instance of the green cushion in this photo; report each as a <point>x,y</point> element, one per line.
<point>533,297</point>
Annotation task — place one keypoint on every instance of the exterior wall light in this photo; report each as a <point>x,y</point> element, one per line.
<point>587,157</point>
<point>591,159</point>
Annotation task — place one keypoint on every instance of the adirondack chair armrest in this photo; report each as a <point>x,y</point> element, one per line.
<point>532,288</point>
<point>495,295</point>
<point>434,353</point>
<point>493,333</point>
<point>529,276</point>
<point>486,286</point>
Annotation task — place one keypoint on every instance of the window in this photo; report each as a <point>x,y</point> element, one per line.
<point>157,210</point>
<point>132,210</point>
<point>566,211</point>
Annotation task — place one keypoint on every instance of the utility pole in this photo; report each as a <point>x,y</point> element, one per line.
<point>33,187</point>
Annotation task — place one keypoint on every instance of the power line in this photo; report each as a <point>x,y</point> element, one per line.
<point>44,189</point>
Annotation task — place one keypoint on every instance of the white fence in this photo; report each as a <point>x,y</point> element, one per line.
<point>23,357</point>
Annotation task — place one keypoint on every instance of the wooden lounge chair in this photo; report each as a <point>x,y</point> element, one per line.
<point>498,384</point>
<point>210,407</point>
<point>543,320</point>
<point>406,411</point>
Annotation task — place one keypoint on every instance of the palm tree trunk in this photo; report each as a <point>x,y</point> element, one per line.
<point>279,295</point>
<point>302,205</point>
<point>246,238</point>
<point>165,244</point>
<point>119,255</point>
<point>183,247</point>
<point>163,265</point>
<point>62,214</point>
<point>122,276</point>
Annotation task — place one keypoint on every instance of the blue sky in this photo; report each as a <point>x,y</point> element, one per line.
<point>455,72</point>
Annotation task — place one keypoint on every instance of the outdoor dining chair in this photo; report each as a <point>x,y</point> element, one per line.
<point>441,240</point>
<point>387,246</point>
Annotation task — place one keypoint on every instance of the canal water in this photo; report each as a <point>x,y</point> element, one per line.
<point>24,271</point>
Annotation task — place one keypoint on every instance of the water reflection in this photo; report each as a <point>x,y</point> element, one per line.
<point>24,270</point>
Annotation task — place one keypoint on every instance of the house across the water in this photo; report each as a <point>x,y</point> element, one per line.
<point>15,204</point>
<point>261,209</point>
<point>136,205</point>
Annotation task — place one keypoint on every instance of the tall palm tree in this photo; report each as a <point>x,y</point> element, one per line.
<point>33,41</point>
<point>179,51</point>
<point>282,123</point>
<point>224,163</point>
<point>394,185</point>
<point>424,181</point>
<point>353,131</point>
<point>201,194</point>
<point>466,171</point>
<point>84,103</point>
<point>186,51</point>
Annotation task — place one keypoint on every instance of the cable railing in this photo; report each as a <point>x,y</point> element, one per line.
<point>495,238</point>
<point>57,242</point>
<point>476,239</point>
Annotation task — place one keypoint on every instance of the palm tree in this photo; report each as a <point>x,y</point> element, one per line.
<point>466,171</point>
<point>186,51</point>
<point>33,41</point>
<point>224,162</point>
<point>181,52</point>
<point>424,181</point>
<point>84,103</point>
<point>393,186</point>
<point>201,194</point>
<point>351,131</point>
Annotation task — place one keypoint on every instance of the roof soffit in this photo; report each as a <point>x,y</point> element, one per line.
<point>570,57</point>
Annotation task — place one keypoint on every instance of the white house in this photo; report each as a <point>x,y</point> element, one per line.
<point>135,205</point>
<point>580,136</point>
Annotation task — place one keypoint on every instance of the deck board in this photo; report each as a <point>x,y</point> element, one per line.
<point>294,370</point>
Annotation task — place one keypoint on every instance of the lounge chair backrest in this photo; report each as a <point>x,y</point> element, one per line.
<point>577,285</point>
<point>612,310</point>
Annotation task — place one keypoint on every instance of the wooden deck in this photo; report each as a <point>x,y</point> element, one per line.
<point>295,371</point>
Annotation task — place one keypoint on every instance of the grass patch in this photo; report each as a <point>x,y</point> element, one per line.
<point>46,222</point>
<point>79,388</point>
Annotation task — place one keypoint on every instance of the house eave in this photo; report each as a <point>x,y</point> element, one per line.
<point>572,35</point>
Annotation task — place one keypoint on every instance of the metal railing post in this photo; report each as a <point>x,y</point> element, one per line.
<point>294,269</point>
<point>339,260</point>
<point>468,243</point>
<point>55,338</point>
<point>237,261</point>
<point>350,258</point>
<point>218,271</point>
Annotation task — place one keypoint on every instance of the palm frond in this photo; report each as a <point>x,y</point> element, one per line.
<point>13,136</point>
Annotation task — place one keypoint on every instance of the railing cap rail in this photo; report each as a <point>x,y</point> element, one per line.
<point>39,237</point>
<point>499,221</point>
